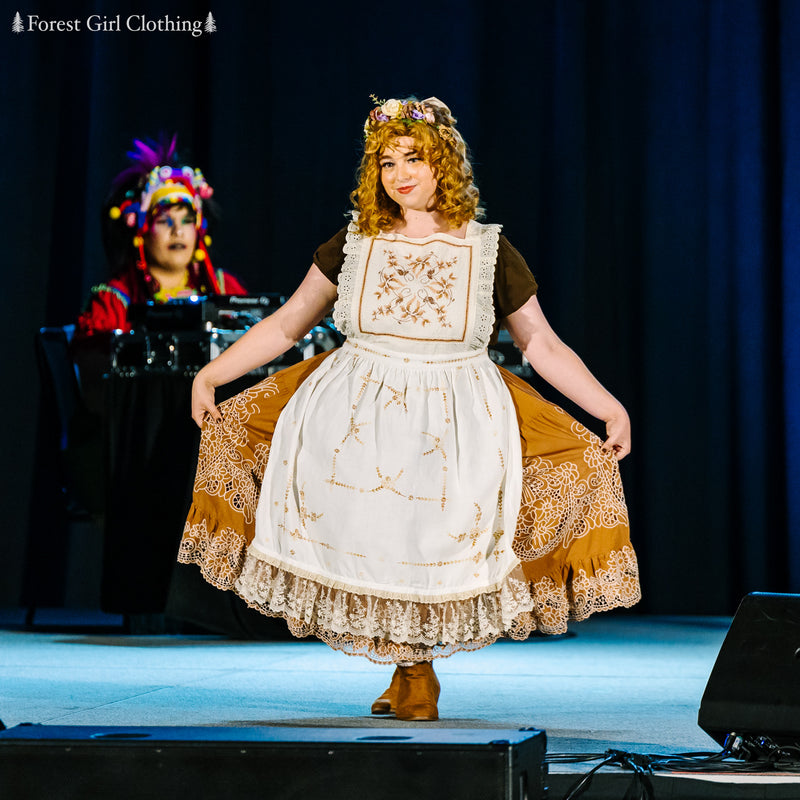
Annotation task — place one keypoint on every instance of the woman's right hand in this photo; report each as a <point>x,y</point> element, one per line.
<point>266,340</point>
<point>203,404</point>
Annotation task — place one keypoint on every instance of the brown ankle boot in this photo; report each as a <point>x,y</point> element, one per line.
<point>387,702</point>
<point>418,693</point>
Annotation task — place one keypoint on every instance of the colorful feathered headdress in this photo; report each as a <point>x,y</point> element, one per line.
<point>154,180</point>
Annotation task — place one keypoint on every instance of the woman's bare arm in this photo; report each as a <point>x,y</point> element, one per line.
<point>562,368</point>
<point>265,341</point>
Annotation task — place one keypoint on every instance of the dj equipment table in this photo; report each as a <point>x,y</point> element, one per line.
<point>150,440</point>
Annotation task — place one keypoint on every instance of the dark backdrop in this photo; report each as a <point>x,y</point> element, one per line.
<point>644,155</point>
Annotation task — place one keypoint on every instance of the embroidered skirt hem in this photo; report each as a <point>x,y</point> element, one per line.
<point>572,538</point>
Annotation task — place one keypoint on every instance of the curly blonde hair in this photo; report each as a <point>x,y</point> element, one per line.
<point>439,144</point>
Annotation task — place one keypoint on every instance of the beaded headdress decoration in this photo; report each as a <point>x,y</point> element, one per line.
<point>431,111</point>
<point>160,185</point>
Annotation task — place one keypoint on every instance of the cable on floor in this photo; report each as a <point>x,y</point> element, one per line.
<point>740,754</point>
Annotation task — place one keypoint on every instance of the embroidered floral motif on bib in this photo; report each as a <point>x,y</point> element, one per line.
<point>413,290</point>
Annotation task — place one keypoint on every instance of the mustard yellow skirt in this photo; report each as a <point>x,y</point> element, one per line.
<point>572,535</point>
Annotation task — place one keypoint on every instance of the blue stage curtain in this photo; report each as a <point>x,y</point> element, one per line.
<point>643,155</point>
<point>789,199</point>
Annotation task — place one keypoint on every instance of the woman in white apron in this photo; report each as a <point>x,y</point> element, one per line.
<point>402,497</point>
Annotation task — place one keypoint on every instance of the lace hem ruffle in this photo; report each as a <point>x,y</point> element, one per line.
<point>388,631</point>
<point>220,555</point>
<point>338,614</point>
<point>610,582</point>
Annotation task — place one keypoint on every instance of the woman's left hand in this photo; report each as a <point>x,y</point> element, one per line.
<point>618,428</point>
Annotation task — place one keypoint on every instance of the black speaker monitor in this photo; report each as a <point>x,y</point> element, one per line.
<point>271,763</point>
<point>754,687</point>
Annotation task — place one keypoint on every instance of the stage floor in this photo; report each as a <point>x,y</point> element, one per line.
<point>618,681</point>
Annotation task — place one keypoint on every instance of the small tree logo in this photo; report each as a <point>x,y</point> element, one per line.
<point>210,25</point>
<point>18,27</point>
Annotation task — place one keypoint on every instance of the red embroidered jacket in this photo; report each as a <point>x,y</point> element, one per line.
<point>107,308</point>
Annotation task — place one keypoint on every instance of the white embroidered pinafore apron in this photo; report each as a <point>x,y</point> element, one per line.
<point>392,490</point>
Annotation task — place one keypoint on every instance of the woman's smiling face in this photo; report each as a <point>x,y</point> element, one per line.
<point>407,178</point>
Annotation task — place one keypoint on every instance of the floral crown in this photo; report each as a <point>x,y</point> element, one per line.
<point>410,111</point>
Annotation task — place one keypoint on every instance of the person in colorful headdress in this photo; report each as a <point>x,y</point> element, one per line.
<point>402,497</point>
<point>155,232</point>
